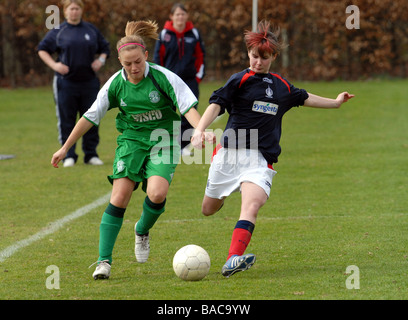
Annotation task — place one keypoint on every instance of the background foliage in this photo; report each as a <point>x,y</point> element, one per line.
<point>320,45</point>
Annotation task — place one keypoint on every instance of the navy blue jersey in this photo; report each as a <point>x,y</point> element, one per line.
<point>76,46</point>
<point>258,102</point>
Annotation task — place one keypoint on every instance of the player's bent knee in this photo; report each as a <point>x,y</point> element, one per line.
<point>209,209</point>
<point>207,212</point>
<point>157,197</point>
<point>120,200</point>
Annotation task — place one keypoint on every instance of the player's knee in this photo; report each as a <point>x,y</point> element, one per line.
<point>209,209</point>
<point>205,211</point>
<point>120,200</point>
<point>157,196</point>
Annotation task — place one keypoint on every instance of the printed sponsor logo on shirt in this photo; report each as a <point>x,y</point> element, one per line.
<point>148,116</point>
<point>265,107</point>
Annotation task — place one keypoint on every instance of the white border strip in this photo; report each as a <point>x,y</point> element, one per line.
<point>53,227</point>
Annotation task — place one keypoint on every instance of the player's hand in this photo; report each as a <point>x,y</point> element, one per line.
<point>57,157</point>
<point>210,137</point>
<point>197,139</point>
<point>61,68</point>
<point>344,97</point>
<point>96,65</point>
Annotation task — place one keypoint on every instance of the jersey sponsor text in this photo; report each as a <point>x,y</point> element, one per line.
<point>148,116</point>
<point>265,107</point>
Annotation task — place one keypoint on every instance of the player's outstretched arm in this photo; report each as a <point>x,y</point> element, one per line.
<point>327,103</point>
<point>82,127</point>
<point>199,136</point>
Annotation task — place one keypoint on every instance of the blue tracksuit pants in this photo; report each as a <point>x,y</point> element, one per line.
<point>73,99</point>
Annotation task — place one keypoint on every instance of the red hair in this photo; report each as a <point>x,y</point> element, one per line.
<point>265,40</point>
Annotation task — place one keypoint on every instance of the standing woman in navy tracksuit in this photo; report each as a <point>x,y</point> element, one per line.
<point>82,51</point>
<point>180,49</point>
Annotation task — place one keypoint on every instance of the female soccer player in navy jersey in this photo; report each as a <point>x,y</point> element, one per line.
<point>256,101</point>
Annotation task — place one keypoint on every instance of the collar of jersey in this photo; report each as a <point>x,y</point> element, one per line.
<point>124,74</point>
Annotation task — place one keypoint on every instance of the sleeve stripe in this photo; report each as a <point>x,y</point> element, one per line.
<point>283,80</point>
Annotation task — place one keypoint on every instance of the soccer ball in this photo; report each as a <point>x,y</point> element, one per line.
<point>191,263</point>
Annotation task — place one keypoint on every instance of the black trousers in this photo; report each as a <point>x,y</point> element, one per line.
<point>72,100</point>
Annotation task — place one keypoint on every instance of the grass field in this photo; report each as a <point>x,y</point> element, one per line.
<point>339,199</point>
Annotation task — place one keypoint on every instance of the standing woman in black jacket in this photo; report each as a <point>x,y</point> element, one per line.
<point>82,51</point>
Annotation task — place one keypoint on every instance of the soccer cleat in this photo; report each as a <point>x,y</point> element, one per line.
<point>69,162</point>
<point>238,263</point>
<point>95,161</point>
<point>187,152</point>
<point>102,270</point>
<point>142,246</point>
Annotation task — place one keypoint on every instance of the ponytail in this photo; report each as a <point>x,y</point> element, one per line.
<point>136,32</point>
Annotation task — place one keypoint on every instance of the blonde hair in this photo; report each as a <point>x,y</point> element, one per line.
<point>67,3</point>
<point>136,32</point>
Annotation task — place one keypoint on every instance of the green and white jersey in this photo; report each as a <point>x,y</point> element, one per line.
<point>143,108</point>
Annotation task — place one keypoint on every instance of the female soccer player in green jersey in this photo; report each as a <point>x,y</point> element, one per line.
<point>146,96</point>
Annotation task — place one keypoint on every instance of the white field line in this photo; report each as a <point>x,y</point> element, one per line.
<point>52,227</point>
<point>56,225</point>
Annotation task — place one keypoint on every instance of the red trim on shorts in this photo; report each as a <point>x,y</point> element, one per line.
<point>217,147</point>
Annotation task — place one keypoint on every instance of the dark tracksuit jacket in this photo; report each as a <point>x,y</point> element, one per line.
<point>77,47</point>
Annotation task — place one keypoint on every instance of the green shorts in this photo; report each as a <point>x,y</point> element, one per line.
<point>142,158</point>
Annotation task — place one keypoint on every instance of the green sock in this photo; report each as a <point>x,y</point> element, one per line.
<point>151,212</point>
<point>109,228</point>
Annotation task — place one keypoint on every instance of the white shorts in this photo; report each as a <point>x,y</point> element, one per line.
<point>231,167</point>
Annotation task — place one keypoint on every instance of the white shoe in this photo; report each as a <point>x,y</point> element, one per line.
<point>142,247</point>
<point>186,152</point>
<point>102,270</point>
<point>95,161</point>
<point>69,162</point>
